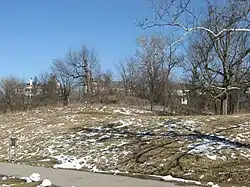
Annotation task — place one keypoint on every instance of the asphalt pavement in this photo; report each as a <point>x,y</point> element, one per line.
<point>70,178</point>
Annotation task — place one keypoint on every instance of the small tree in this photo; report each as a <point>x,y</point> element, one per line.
<point>66,82</point>
<point>13,96</point>
<point>156,64</point>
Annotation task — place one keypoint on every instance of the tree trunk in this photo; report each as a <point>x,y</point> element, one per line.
<point>151,101</point>
<point>86,77</point>
<point>221,106</point>
<point>205,104</point>
<point>151,90</point>
<point>237,104</point>
<point>225,104</point>
<point>215,108</point>
<point>65,101</point>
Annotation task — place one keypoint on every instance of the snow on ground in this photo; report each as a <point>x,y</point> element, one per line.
<point>34,178</point>
<point>126,111</point>
<point>89,138</point>
<point>170,178</point>
<point>105,145</point>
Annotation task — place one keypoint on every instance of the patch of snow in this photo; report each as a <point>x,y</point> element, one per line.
<point>233,156</point>
<point>202,176</point>
<point>212,157</point>
<point>245,155</point>
<point>45,183</point>
<point>212,184</point>
<point>123,124</point>
<point>223,158</point>
<point>35,177</point>
<point>45,160</point>
<point>95,170</point>
<point>130,111</point>
<point>170,178</point>
<point>103,137</point>
<point>122,112</point>
<point>208,147</point>
<point>67,162</point>
<point>215,185</point>
<point>27,179</point>
<point>5,185</point>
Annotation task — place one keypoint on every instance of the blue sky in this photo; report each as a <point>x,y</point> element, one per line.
<point>35,32</point>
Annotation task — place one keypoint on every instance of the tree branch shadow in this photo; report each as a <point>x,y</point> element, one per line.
<point>143,141</point>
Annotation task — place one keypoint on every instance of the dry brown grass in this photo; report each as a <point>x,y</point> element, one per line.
<point>66,130</point>
<point>15,182</point>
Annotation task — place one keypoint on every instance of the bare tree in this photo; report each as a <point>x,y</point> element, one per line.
<point>13,97</point>
<point>219,66</point>
<point>180,15</point>
<point>84,65</point>
<point>148,73</point>
<point>156,63</point>
<point>49,92</point>
<point>66,82</point>
<point>150,57</point>
<point>124,76</point>
<point>225,29</point>
<point>197,63</point>
<point>108,81</point>
<point>132,68</point>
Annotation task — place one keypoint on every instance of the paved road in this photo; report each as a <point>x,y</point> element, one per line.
<point>69,178</point>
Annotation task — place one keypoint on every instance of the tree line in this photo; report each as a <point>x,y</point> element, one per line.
<point>211,49</point>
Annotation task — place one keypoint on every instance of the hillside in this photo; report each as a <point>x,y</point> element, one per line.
<point>130,141</point>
